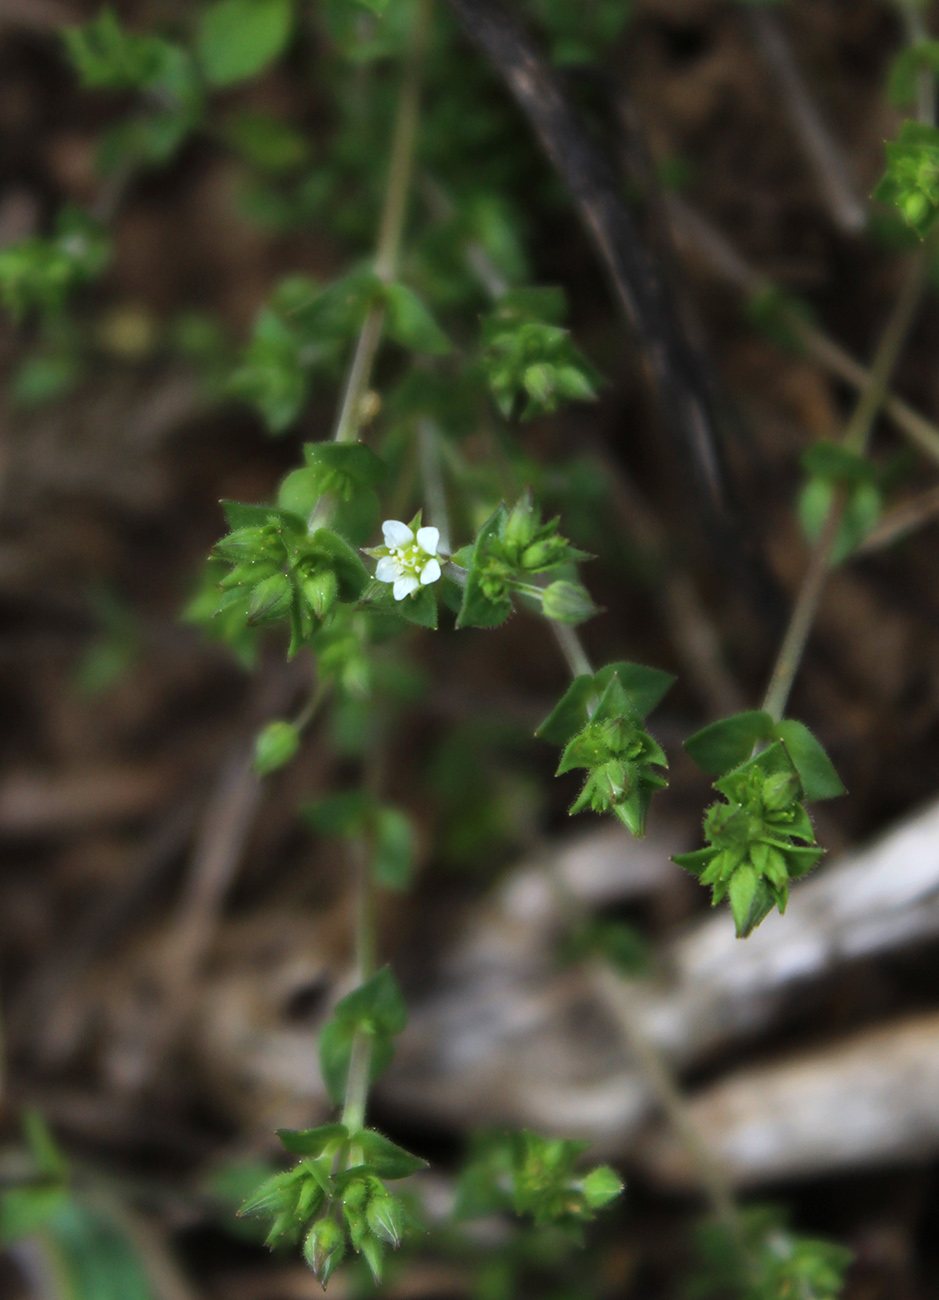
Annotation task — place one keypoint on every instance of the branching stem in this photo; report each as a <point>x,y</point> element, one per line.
<point>856,439</point>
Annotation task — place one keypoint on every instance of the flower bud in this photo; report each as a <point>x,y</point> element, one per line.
<point>567,602</point>
<point>385,1216</point>
<point>779,791</point>
<point>270,599</point>
<point>320,590</point>
<point>323,1248</point>
<point>275,746</point>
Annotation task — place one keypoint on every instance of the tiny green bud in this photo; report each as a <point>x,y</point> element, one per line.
<point>568,602</point>
<point>542,554</point>
<point>270,599</point>
<point>779,790</point>
<point>539,382</point>
<point>275,746</point>
<point>320,590</point>
<point>915,207</point>
<point>323,1248</point>
<point>602,1185</point>
<point>385,1216</point>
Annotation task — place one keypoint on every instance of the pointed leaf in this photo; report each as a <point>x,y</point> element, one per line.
<point>728,743</point>
<point>386,1158</point>
<point>311,1141</point>
<point>570,714</point>
<point>816,770</point>
<point>645,687</point>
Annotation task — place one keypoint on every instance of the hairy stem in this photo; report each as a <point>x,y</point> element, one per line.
<point>400,169</point>
<point>856,439</point>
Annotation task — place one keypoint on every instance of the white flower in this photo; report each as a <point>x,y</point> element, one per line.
<point>407,560</point>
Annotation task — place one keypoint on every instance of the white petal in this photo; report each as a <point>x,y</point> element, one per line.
<point>428,539</point>
<point>430,572</point>
<point>404,586</point>
<point>387,569</point>
<point>396,533</point>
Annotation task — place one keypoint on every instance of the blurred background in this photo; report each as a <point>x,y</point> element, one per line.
<point>174,934</point>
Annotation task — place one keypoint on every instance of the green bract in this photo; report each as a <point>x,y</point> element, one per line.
<point>535,1176</point>
<point>621,759</point>
<point>335,1196</point>
<point>512,548</point>
<point>911,181</point>
<point>528,356</point>
<point>758,841</point>
<point>282,571</point>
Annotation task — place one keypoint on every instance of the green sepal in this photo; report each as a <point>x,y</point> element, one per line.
<point>729,742</point>
<point>696,861</point>
<point>272,1195</point>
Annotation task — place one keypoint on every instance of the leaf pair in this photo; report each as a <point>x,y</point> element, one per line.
<point>387,831</point>
<point>377,1009</point>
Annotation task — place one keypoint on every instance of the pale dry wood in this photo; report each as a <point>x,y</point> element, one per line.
<point>37,804</point>
<point>871,1100</point>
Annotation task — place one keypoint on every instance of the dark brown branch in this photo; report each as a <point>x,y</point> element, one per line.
<point>640,289</point>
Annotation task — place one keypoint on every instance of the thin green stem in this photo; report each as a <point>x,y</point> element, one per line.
<point>400,171</point>
<point>572,649</point>
<point>617,994</point>
<point>856,438</point>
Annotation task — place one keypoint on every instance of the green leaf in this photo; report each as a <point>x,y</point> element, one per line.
<point>24,1210</point>
<point>729,742</point>
<point>570,714</point>
<point>311,1141</point>
<point>386,1158</point>
<point>420,608</point>
<point>645,687</point>
<point>352,460</point>
<point>831,460</point>
<point>239,514</point>
<point>816,770</point>
<point>411,324</point>
<point>238,39</point>
<point>393,850</point>
<point>340,815</point>
<point>336,1051</point>
<point>377,1002</point>
<point>275,746</point>
<point>743,891</point>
